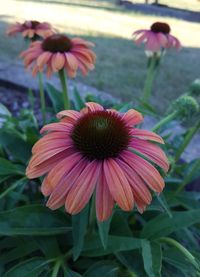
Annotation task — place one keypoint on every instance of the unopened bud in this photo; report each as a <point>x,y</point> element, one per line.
<point>186,107</point>
<point>194,88</point>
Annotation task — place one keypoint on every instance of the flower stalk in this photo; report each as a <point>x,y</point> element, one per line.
<point>150,78</point>
<point>164,121</point>
<point>182,249</point>
<point>42,98</point>
<point>63,81</point>
<point>187,140</point>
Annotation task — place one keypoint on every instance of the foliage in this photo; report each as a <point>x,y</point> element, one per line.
<point>35,241</point>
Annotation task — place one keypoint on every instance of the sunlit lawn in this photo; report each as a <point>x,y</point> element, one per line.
<point>121,66</point>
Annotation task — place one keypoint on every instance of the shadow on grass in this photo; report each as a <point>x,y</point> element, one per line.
<point>121,68</point>
<point>93,5</point>
<point>162,10</point>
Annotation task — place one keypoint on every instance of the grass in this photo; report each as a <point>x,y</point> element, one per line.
<point>121,67</point>
<point>192,5</point>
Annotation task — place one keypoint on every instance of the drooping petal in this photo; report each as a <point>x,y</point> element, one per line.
<point>92,107</point>
<point>36,171</point>
<point>70,116</point>
<point>83,188</point>
<point>146,135</point>
<point>57,61</point>
<point>57,127</point>
<point>65,184</point>
<point>44,155</point>
<point>43,59</point>
<point>71,61</point>
<point>147,172</point>
<point>54,176</point>
<point>140,190</point>
<point>133,117</point>
<point>80,41</point>
<point>151,151</point>
<point>141,38</point>
<point>153,43</point>
<point>104,199</point>
<point>51,140</point>
<point>118,185</point>
<point>162,39</point>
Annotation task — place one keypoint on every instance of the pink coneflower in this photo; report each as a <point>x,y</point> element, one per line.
<point>58,52</point>
<point>157,38</point>
<point>31,29</point>
<point>98,150</point>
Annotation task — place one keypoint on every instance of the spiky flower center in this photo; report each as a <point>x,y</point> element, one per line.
<point>160,27</point>
<point>34,24</point>
<point>57,43</point>
<point>100,135</point>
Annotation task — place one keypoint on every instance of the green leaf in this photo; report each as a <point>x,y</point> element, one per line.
<point>152,258</point>
<point>156,252</point>
<point>93,246</point>
<point>104,268</point>
<point>162,225</point>
<point>78,102</point>
<point>4,111</point>
<point>7,168</point>
<point>79,227</point>
<point>147,258</point>
<point>29,268</point>
<point>24,248</point>
<point>56,97</point>
<point>123,229</point>
<point>131,261</point>
<point>103,228</point>
<point>10,140</point>
<point>162,200</point>
<point>15,185</point>
<point>71,273</point>
<point>49,246</point>
<point>33,220</point>
<point>173,257</point>
<point>189,200</point>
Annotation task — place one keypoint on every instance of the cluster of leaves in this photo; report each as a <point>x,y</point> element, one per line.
<point>35,241</point>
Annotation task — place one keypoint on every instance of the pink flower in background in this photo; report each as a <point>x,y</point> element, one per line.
<point>98,151</point>
<point>57,52</point>
<point>157,38</point>
<point>31,29</point>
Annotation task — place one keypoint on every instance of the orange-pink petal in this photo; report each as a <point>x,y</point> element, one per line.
<point>83,188</point>
<point>118,185</point>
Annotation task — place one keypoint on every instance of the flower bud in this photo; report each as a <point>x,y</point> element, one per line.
<point>186,107</point>
<point>194,88</point>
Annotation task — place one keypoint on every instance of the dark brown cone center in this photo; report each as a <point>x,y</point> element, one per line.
<point>160,27</point>
<point>57,43</point>
<point>100,135</point>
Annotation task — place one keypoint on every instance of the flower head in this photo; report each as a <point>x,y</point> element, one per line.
<point>194,88</point>
<point>157,38</point>
<point>101,151</point>
<point>186,107</point>
<point>57,52</point>
<point>31,29</point>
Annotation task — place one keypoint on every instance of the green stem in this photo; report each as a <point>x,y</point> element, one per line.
<point>182,249</point>
<point>56,268</point>
<point>149,79</point>
<point>164,121</point>
<point>187,140</point>
<point>42,98</point>
<point>63,81</point>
